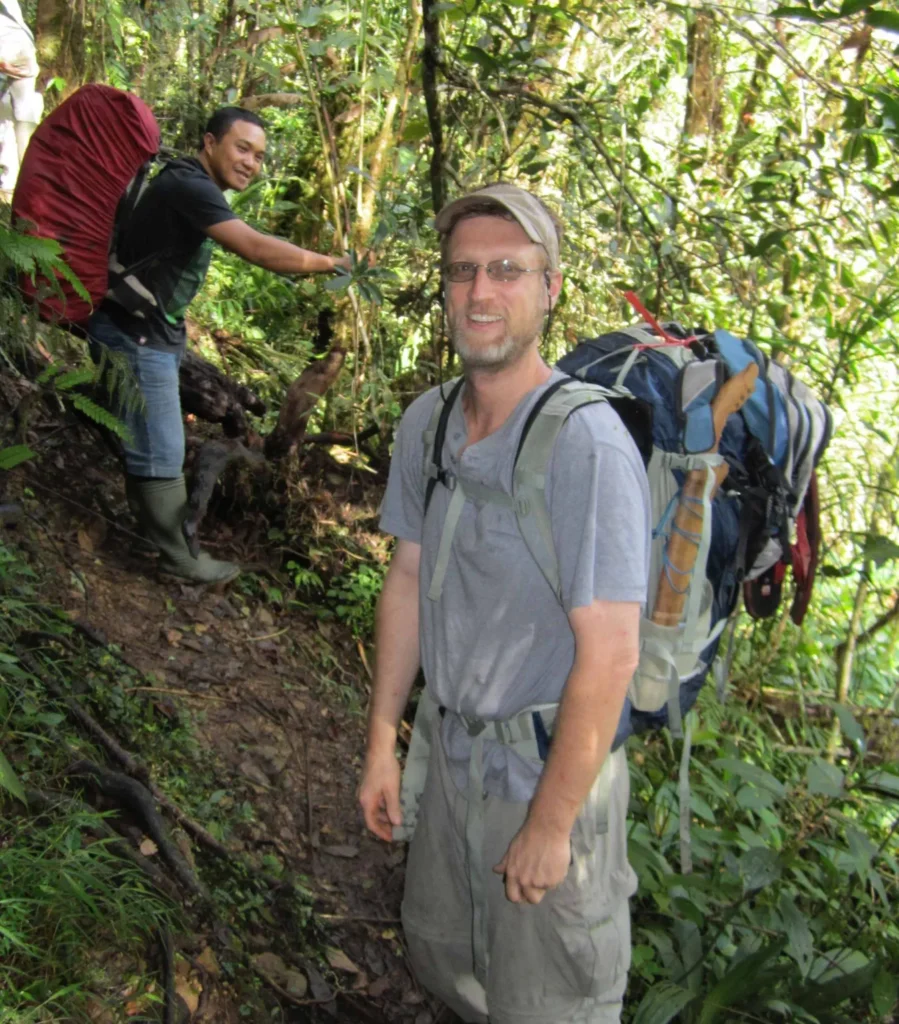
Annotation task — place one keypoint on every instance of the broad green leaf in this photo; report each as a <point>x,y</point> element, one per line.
<point>800,945</point>
<point>759,867</point>
<point>15,454</point>
<point>802,13</point>
<point>843,983</point>
<point>769,240</point>
<point>751,773</point>
<point>885,782</point>
<point>824,779</point>
<point>752,799</point>
<point>310,17</point>
<point>879,549</point>
<point>738,982</point>
<point>849,7</point>
<point>884,993</point>
<point>851,729</point>
<point>338,284</point>
<point>342,39</point>
<point>662,1003</point>
<point>838,963</point>
<point>9,780</point>
<point>883,19</point>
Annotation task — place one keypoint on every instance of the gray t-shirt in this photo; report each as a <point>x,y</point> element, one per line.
<point>498,640</point>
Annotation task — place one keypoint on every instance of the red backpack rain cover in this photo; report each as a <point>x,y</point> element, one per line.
<point>76,168</point>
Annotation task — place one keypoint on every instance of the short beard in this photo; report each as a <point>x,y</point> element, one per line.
<point>495,357</point>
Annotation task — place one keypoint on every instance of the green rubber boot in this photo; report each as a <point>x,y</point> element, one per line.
<point>162,505</point>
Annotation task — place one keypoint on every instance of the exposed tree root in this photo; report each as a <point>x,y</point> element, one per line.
<point>133,795</point>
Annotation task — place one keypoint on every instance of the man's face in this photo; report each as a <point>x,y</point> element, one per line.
<point>236,158</point>
<point>492,323</point>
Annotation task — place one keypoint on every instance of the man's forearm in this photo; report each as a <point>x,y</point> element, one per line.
<point>397,661</point>
<point>585,724</point>
<point>582,737</point>
<point>284,257</point>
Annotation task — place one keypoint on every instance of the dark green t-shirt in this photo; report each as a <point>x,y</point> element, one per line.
<point>166,241</point>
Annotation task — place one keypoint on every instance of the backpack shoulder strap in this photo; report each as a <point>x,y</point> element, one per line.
<point>435,436</point>
<point>538,438</point>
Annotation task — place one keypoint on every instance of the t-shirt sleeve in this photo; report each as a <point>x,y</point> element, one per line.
<point>600,510</point>
<point>198,200</point>
<point>402,510</point>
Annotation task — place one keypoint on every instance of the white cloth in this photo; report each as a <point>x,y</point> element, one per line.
<point>21,105</point>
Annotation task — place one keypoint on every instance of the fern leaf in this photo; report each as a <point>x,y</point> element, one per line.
<point>74,379</point>
<point>10,457</point>
<point>49,373</point>
<point>99,415</point>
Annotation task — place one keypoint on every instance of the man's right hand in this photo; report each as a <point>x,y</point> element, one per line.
<point>379,795</point>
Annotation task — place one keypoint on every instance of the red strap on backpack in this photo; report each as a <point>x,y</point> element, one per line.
<point>668,339</point>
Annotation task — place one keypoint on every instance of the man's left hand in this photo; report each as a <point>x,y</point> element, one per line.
<point>537,860</point>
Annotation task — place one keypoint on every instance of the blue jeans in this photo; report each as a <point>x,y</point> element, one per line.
<point>156,445</point>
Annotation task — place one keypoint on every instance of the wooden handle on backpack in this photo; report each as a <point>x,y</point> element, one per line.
<point>682,548</point>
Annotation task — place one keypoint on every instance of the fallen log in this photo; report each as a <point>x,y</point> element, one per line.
<point>213,396</point>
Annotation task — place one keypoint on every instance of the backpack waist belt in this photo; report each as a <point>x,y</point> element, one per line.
<point>527,733</point>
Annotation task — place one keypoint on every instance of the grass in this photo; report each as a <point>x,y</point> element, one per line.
<point>65,895</point>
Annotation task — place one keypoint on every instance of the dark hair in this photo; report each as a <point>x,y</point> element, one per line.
<point>220,123</point>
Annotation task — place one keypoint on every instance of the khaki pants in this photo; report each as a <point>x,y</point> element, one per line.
<point>563,960</point>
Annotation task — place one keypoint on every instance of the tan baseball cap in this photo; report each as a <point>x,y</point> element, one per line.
<point>527,209</point>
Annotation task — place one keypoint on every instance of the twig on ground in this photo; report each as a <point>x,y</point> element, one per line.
<point>361,649</point>
<point>167,964</point>
<point>360,918</point>
<point>284,994</point>
<point>268,636</point>
<point>183,693</point>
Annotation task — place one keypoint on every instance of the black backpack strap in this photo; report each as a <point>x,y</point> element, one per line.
<point>438,473</point>
<point>535,412</point>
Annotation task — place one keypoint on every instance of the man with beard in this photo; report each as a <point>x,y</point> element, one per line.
<point>517,883</point>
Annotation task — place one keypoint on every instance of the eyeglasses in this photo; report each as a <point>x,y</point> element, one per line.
<point>497,270</point>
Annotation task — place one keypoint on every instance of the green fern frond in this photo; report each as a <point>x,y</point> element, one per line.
<point>44,256</point>
<point>12,456</point>
<point>99,415</point>
<point>74,379</point>
<point>46,375</point>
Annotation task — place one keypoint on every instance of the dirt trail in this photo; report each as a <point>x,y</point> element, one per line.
<point>279,698</point>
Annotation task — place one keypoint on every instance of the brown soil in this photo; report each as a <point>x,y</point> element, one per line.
<point>279,699</point>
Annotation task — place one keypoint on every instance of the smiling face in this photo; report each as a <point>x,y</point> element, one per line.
<point>236,158</point>
<point>493,323</point>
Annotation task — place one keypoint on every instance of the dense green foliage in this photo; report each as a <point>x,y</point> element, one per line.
<point>734,164</point>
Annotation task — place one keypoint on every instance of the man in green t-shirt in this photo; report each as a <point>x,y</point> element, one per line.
<point>167,248</point>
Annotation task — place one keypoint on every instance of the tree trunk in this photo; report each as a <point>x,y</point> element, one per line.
<point>299,402</point>
<point>59,40</point>
<point>386,140</point>
<point>430,63</point>
<point>747,110</point>
<point>844,663</point>
<point>702,115</point>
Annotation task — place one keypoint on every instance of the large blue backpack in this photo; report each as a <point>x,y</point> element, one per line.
<point>662,382</point>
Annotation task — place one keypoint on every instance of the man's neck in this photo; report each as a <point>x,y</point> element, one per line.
<point>490,396</point>
<point>204,163</point>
